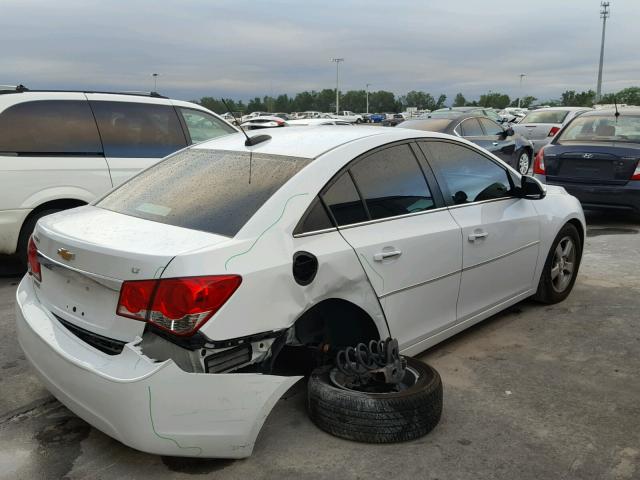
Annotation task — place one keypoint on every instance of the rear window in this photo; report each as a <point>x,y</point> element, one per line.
<point>546,116</point>
<point>597,128</point>
<point>210,190</point>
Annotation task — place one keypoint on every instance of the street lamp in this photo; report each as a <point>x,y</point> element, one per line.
<point>367,87</point>
<point>155,81</point>
<point>522,75</point>
<point>337,60</point>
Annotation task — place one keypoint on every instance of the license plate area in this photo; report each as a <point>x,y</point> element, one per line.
<point>85,300</point>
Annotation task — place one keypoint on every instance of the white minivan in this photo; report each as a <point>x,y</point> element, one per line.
<point>61,149</point>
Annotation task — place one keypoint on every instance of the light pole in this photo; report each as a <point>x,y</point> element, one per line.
<point>522,75</point>
<point>337,60</point>
<point>604,14</point>
<point>367,87</point>
<point>155,81</point>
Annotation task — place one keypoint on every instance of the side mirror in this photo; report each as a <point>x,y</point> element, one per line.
<point>508,132</point>
<point>531,188</point>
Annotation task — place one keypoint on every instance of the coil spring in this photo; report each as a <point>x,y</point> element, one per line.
<point>358,361</point>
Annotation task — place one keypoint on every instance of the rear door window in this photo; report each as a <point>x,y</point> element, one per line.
<point>343,201</point>
<point>471,128</point>
<point>203,126</point>
<point>49,127</point>
<point>392,183</point>
<point>138,130</point>
<point>210,190</point>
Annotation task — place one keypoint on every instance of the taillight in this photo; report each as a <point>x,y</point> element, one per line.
<point>178,305</point>
<point>636,172</point>
<point>538,163</point>
<point>33,263</point>
<point>553,131</point>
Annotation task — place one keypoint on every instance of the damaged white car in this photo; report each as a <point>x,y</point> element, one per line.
<point>167,314</point>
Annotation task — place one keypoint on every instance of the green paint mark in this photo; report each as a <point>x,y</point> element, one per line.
<point>153,427</point>
<point>374,270</point>
<point>265,230</point>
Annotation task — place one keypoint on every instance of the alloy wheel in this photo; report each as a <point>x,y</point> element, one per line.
<point>523,163</point>
<point>563,266</point>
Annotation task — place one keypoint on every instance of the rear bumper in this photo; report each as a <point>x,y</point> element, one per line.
<point>619,197</point>
<point>153,407</point>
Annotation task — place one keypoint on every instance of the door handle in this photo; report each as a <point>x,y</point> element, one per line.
<point>378,257</point>
<point>477,235</point>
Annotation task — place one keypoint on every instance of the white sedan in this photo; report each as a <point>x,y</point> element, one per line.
<point>160,313</point>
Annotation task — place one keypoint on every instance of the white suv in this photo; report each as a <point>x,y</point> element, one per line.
<point>60,150</point>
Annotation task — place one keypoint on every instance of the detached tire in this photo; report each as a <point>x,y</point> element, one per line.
<point>377,417</point>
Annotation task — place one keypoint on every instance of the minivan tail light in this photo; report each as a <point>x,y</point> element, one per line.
<point>553,131</point>
<point>538,163</point>
<point>32,258</point>
<point>177,305</point>
<point>636,172</point>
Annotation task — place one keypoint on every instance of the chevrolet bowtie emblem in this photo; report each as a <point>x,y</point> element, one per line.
<point>66,254</point>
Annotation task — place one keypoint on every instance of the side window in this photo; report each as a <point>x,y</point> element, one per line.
<point>392,183</point>
<point>491,127</point>
<point>343,201</point>
<point>203,126</point>
<point>471,128</point>
<point>468,175</point>
<point>139,130</point>
<point>315,219</point>
<point>49,126</point>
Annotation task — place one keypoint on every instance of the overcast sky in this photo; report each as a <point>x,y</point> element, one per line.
<point>240,48</point>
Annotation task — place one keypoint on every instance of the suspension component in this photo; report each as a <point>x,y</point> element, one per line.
<point>379,361</point>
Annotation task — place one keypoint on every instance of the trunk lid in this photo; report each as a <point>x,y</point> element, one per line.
<point>535,131</point>
<point>597,163</point>
<point>86,254</point>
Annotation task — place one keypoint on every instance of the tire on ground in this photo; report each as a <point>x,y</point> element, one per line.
<point>545,293</point>
<point>377,417</point>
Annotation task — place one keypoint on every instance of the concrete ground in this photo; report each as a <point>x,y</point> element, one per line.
<point>533,393</point>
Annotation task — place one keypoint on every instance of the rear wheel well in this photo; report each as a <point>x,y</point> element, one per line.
<point>337,323</point>
<point>29,222</point>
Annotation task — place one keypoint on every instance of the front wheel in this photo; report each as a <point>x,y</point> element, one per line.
<point>561,267</point>
<point>523,161</point>
<point>358,120</point>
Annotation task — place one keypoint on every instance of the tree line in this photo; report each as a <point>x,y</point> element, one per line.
<point>385,101</point>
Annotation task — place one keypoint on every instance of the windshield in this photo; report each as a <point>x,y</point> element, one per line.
<point>210,190</point>
<point>546,116</point>
<point>599,128</point>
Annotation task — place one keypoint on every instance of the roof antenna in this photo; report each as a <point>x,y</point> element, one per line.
<point>250,141</point>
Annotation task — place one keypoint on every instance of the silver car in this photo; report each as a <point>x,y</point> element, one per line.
<point>541,125</point>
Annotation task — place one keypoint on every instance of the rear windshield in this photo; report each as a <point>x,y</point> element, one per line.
<point>210,190</point>
<point>430,124</point>
<point>597,128</point>
<point>546,116</point>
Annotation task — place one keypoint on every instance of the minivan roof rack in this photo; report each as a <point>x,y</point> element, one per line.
<point>22,88</point>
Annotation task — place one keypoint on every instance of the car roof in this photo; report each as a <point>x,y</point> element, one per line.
<point>564,109</point>
<point>306,142</point>
<point>612,111</point>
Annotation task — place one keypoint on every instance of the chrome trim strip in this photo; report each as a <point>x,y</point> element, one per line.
<point>502,256</point>
<point>483,201</point>
<point>441,277</point>
<point>315,232</point>
<point>386,219</point>
<point>108,282</point>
